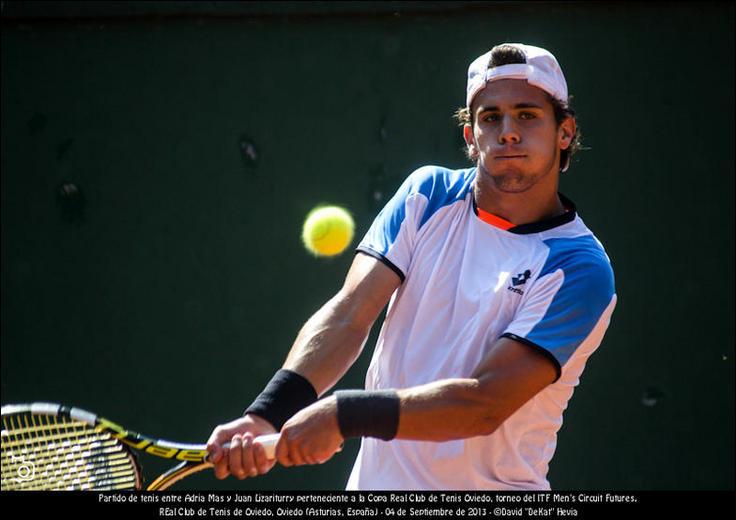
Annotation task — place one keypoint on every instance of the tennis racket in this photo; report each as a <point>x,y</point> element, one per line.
<point>47,446</point>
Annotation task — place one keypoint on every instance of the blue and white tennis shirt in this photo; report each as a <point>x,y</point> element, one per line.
<point>470,278</point>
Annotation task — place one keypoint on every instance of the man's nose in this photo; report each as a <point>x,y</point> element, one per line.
<point>509,132</point>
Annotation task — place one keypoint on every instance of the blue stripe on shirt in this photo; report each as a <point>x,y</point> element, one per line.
<point>586,291</point>
<point>440,186</point>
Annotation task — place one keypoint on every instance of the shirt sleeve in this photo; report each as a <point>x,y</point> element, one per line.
<point>568,305</point>
<point>392,236</point>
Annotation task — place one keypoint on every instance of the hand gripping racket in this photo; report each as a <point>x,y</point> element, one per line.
<point>47,446</point>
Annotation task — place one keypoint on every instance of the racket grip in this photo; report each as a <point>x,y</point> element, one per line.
<point>267,441</point>
<point>269,444</point>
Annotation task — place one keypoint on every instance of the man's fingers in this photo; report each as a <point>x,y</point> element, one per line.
<point>221,469</point>
<point>249,463</point>
<point>236,457</point>
<point>214,453</point>
<point>263,465</point>
<point>282,453</point>
<point>322,459</point>
<point>296,456</point>
<point>214,447</point>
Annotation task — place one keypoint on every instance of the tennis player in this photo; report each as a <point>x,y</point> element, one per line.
<point>498,294</point>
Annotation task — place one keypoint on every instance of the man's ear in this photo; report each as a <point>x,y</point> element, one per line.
<point>566,133</point>
<point>470,141</point>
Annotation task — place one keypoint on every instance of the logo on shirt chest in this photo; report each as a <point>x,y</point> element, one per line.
<point>518,280</point>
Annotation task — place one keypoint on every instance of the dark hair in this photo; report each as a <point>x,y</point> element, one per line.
<point>508,55</point>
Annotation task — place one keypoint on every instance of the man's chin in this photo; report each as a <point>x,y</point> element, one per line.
<point>510,178</point>
<point>511,182</point>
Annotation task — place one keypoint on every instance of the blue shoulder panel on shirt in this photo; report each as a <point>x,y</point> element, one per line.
<point>444,187</point>
<point>440,186</point>
<point>586,291</point>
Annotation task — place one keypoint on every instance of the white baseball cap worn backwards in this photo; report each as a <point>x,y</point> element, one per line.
<point>540,70</point>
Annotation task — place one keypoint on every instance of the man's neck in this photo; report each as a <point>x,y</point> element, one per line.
<point>540,202</point>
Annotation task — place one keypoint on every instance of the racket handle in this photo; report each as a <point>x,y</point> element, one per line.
<point>269,444</point>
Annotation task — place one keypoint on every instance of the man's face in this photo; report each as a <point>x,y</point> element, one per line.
<point>514,136</point>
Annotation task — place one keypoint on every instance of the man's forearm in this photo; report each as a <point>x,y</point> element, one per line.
<point>458,408</point>
<point>446,410</point>
<point>328,344</point>
<point>440,411</point>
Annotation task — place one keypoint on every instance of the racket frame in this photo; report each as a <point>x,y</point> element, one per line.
<point>193,457</point>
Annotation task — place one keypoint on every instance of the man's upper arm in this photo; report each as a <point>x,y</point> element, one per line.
<point>368,287</point>
<point>511,374</point>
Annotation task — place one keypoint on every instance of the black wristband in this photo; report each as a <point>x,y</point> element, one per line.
<point>368,413</point>
<point>286,394</point>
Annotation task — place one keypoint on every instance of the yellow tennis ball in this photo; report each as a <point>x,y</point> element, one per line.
<point>328,230</point>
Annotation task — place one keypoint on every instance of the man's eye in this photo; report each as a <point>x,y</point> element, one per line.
<point>497,117</point>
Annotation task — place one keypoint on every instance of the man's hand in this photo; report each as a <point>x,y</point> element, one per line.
<point>244,458</point>
<point>312,436</point>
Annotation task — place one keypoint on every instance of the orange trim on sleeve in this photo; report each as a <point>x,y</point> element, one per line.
<point>493,220</point>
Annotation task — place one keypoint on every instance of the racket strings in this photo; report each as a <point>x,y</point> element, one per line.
<point>52,452</point>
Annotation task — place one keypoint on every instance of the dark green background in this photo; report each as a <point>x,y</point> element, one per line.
<point>168,301</point>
